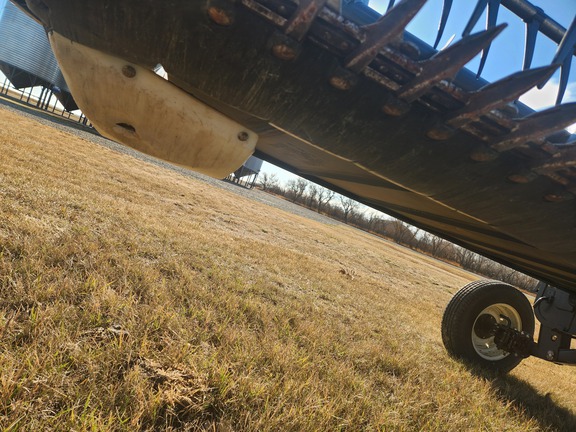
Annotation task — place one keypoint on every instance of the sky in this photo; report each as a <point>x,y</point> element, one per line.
<point>506,53</point>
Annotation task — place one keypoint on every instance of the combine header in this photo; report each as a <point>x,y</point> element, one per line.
<point>349,99</point>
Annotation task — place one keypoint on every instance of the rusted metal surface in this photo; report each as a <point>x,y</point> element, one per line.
<point>537,126</point>
<point>389,27</point>
<point>447,63</point>
<point>498,94</point>
<point>305,15</point>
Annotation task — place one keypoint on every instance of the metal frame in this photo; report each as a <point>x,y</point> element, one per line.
<point>556,311</point>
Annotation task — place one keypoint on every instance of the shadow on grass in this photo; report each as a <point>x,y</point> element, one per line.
<point>525,398</point>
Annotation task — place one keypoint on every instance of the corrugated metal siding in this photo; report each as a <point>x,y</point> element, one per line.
<point>24,45</point>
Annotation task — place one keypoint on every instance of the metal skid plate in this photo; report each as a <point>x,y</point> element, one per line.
<point>133,105</point>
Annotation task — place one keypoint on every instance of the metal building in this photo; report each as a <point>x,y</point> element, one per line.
<point>26,58</point>
<point>247,174</point>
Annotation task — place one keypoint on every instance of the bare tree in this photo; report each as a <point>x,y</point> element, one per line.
<point>313,192</point>
<point>296,189</point>
<point>467,259</point>
<point>435,246</point>
<point>268,181</point>
<point>349,206</point>
<point>400,232</point>
<point>324,197</point>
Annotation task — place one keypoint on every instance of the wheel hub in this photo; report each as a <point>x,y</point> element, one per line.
<point>484,326</point>
<point>483,334</point>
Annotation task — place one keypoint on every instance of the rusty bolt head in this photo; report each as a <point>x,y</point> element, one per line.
<point>341,83</point>
<point>221,16</point>
<point>484,154</point>
<point>523,177</point>
<point>558,196</point>
<point>343,79</point>
<point>284,52</point>
<point>128,71</point>
<point>243,136</point>
<point>284,47</point>
<point>440,132</point>
<point>395,107</point>
<point>344,46</point>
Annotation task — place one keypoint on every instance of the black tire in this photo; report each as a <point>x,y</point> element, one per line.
<point>470,308</point>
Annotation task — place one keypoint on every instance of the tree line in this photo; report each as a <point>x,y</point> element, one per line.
<point>315,197</point>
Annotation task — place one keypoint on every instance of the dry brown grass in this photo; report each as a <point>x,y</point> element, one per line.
<point>133,298</point>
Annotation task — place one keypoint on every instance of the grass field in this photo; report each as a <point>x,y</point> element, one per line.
<point>135,298</point>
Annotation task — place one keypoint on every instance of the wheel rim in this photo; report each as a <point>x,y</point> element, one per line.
<point>482,342</point>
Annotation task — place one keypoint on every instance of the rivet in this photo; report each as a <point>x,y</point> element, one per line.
<point>522,177</point>
<point>220,16</point>
<point>243,136</point>
<point>554,338</point>
<point>344,46</point>
<point>128,71</point>
<point>558,196</point>
<point>284,47</point>
<point>440,132</point>
<point>284,52</point>
<point>395,107</point>
<point>343,79</point>
<point>550,355</point>
<point>484,154</point>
